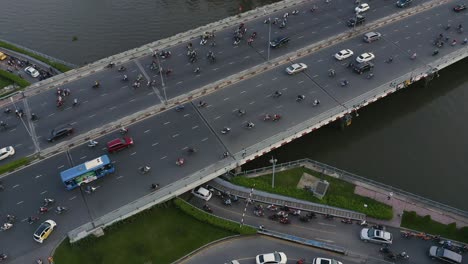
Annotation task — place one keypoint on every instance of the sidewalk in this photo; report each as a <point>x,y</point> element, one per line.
<point>401,203</point>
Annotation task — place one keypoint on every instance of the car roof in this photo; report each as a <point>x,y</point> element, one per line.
<point>203,191</point>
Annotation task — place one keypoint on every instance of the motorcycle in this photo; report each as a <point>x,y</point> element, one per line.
<point>96,85</point>
<point>329,216</point>
<point>32,219</point>
<point>144,169</point>
<point>179,108</point>
<point>206,208</point>
<point>435,52</point>
<point>11,219</point>
<point>344,83</point>
<point>276,117</point>
<point>192,150</point>
<point>123,130</point>
<point>277,94</point>
<point>227,202</point>
<point>6,226</point>
<point>60,209</point>
<point>316,102</point>
<point>258,212</point>
<point>180,162</point>
<point>7,110</point>
<point>125,78</point>
<point>250,125</point>
<point>272,207</point>
<point>202,104</point>
<point>266,117</point>
<point>92,143</point>
<point>43,210</point>
<point>363,223</point>
<point>285,220</point>
<point>3,256</point>
<point>300,98</point>
<point>347,221</point>
<point>406,234</point>
<point>240,112</point>
<point>48,201</point>
<point>110,65</point>
<point>121,69</point>
<point>225,130</point>
<point>196,71</point>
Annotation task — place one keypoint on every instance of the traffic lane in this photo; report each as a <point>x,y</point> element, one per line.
<point>324,230</point>
<point>246,248</point>
<point>24,193</point>
<point>159,142</point>
<point>17,134</point>
<point>256,98</point>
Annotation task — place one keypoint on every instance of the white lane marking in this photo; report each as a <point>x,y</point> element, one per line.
<point>44,192</point>
<point>84,157</point>
<point>274,78</point>
<point>217,117</point>
<point>51,114</point>
<point>112,108</point>
<point>186,115</point>
<point>19,145</point>
<point>205,139</point>
<point>325,240</point>
<point>320,60</point>
<point>179,82</point>
<point>59,167</point>
<point>146,131</point>
<point>246,57</point>
<point>163,157</point>
<point>251,103</point>
<point>104,94</point>
<point>68,108</point>
<point>326,224</point>
<point>123,87</point>
<point>20,202</point>
<point>133,100</point>
<point>175,135</point>
<point>242,92</point>
<point>14,186</point>
<point>73,123</point>
<point>38,176</point>
<point>231,63</point>
<point>300,37</point>
<point>155,144</point>
<point>184,148</point>
<point>72,198</point>
<point>120,177</point>
<point>166,123</point>
<point>215,69</point>
<point>258,85</point>
<point>300,82</point>
<point>91,116</point>
<point>131,154</point>
<point>195,127</point>
<point>315,76</point>
<point>225,99</point>
<point>279,106</point>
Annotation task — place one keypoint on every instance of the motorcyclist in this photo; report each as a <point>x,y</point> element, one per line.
<point>226,154</point>
<point>154,186</point>
<point>300,97</point>
<point>276,117</point>
<point>241,112</point>
<point>465,41</point>
<point>96,84</point>
<point>3,124</point>
<point>75,102</point>
<point>277,93</point>
<point>197,70</point>
<point>267,117</point>
<point>33,116</point>
<point>390,59</point>
<point>316,102</point>
<point>125,77</point>
<point>122,68</point>
<point>435,52</point>
<point>250,124</point>
<point>225,130</point>
<point>331,72</point>
<point>201,103</point>
<point>344,82</point>
<point>370,75</point>
<point>413,56</point>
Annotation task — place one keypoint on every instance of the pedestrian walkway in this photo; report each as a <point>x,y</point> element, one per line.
<point>401,203</point>
<point>279,200</point>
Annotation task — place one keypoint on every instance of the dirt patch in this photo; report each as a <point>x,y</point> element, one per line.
<point>307,180</point>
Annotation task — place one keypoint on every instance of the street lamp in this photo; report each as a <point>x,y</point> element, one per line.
<point>269,36</point>
<point>273,161</point>
<point>160,74</point>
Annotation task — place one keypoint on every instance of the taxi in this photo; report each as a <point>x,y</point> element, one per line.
<point>44,231</point>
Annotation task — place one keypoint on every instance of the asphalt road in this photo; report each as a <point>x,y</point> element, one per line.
<point>116,99</point>
<point>320,229</point>
<point>160,140</point>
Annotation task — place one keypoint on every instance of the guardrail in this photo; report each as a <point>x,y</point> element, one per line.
<point>348,176</point>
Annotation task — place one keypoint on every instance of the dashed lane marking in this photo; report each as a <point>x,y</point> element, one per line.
<point>163,157</point>
<point>258,85</point>
<point>242,92</point>
<point>217,117</point>
<point>215,69</point>
<point>194,127</point>
<point>246,57</point>
<point>120,177</point>
<point>38,176</point>
<point>179,82</point>
<point>91,116</point>
<point>84,157</point>
<point>155,144</point>
<point>44,192</point>
<point>73,123</point>
<point>186,115</point>
<point>274,78</point>
<point>133,100</point>
<point>167,123</point>
<point>59,167</point>
<point>205,139</point>
<point>315,76</point>
<point>72,198</point>
<point>15,186</point>
<point>20,202</point>
<point>51,114</point>
<point>300,82</point>
<point>225,99</point>
<point>300,37</point>
<point>251,103</point>
<point>326,224</point>
<point>131,154</point>
<point>112,108</point>
<point>104,94</point>
<point>146,131</point>
<point>175,135</point>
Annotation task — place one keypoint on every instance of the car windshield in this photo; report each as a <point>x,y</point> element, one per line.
<point>440,252</point>
<point>41,229</point>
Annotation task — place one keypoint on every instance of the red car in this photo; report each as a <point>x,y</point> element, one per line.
<point>459,8</point>
<point>119,144</point>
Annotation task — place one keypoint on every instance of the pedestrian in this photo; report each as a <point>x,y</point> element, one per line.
<point>244,153</point>
<point>390,195</point>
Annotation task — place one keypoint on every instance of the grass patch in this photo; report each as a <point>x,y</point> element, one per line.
<point>14,78</point>
<point>161,234</point>
<point>340,193</point>
<point>59,66</point>
<point>14,164</point>
<point>425,224</point>
<point>4,82</point>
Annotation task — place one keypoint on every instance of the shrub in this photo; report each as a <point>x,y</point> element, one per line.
<point>14,78</point>
<point>213,220</point>
<point>14,164</point>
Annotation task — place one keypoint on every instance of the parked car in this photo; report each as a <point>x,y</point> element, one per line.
<point>44,231</point>
<point>344,54</point>
<point>2,56</point>
<point>278,42</point>
<point>202,193</point>
<point>325,261</point>
<point>31,71</point>
<point>119,144</point>
<point>376,236</point>
<point>356,21</point>
<point>444,255</point>
<point>403,3</point>
<point>60,132</point>
<point>372,36</point>
<point>365,57</point>
<point>6,152</point>
<point>272,258</point>
<point>296,68</point>
<point>459,8</point>
<point>362,67</point>
<point>362,8</point>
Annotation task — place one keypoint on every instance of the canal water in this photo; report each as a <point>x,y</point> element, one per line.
<point>415,140</point>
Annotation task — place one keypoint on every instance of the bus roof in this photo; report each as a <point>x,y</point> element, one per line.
<point>83,168</point>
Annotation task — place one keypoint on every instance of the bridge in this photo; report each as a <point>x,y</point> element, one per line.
<point>243,77</point>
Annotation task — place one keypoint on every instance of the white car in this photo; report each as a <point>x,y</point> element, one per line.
<point>376,236</point>
<point>325,261</point>
<point>272,258</point>
<point>44,230</point>
<point>202,193</point>
<point>344,54</point>
<point>6,152</point>
<point>31,71</point>
<point>362,8</point>
<point>365,57</point>
<point>295,68</point>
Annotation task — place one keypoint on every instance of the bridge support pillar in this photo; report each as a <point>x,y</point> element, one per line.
<point>238,169</point>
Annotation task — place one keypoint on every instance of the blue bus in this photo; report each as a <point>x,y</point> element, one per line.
<point>87,172</point>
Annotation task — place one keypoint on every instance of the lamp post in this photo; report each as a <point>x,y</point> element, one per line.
<point>273,161</point>
<point>160,74</point>
<point>269,36</point>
